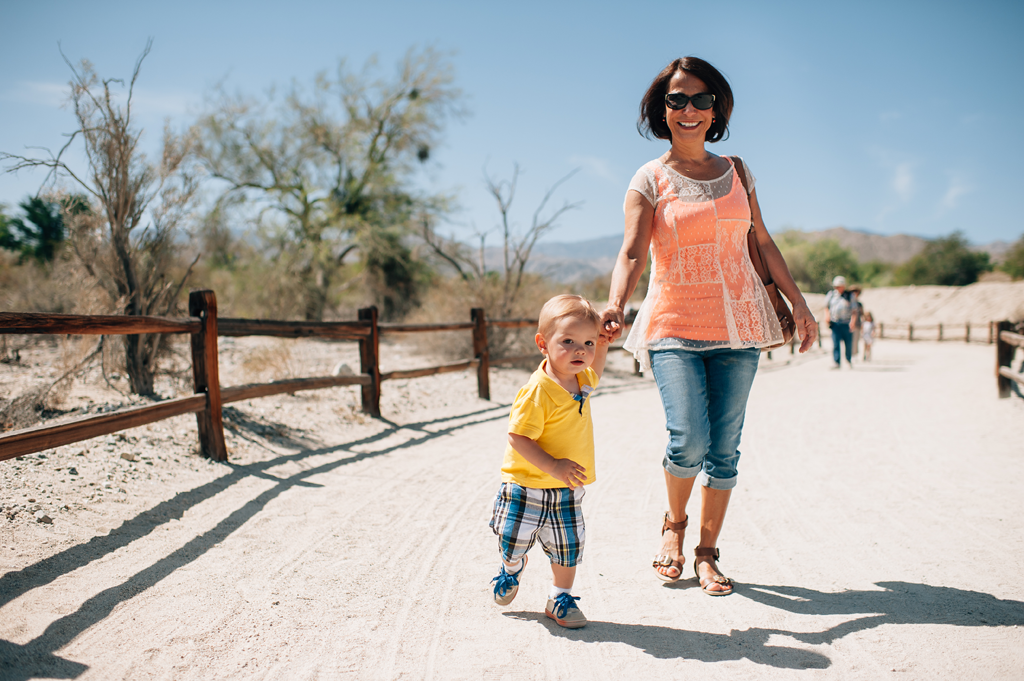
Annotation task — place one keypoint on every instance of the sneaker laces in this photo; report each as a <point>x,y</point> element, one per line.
<point>504,582</point>
<point>563,603</point>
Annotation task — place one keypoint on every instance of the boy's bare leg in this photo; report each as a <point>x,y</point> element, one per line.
<point>678,494</point>
<point>563,576</point>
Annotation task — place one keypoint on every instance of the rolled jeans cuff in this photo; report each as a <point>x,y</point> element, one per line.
<point>677,471</point>
<point>697,471</point>
<point>706,480</point>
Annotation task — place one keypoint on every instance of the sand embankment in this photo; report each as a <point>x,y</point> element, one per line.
<point>977,304</point>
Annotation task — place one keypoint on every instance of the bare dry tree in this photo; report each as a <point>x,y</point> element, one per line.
<point>517,246</point>
<point>127,241</point>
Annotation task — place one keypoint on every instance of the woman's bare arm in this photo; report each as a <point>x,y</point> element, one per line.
<point>631,261</point>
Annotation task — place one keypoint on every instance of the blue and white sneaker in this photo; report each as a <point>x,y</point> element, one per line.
<point>506,586</point>
<point>563,610</point>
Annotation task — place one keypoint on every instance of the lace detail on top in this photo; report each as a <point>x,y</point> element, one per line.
<point>696,190</point>
<point>703,292</point>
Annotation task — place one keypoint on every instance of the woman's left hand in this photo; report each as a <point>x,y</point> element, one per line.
<point>806,326</point>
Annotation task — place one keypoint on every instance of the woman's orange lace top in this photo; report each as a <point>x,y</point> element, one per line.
<point>703,292</point>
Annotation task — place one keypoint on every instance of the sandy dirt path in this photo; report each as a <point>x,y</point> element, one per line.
<point>877,531</point>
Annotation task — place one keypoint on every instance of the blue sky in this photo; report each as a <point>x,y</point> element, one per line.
<point>890,117</point>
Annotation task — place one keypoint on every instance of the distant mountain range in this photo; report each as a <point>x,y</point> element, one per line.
<point>583,260</point>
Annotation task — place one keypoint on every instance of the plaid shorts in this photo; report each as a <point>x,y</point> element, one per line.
<point>523,515</point>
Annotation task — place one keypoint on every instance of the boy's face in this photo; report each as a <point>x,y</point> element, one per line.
<point>569,346</point>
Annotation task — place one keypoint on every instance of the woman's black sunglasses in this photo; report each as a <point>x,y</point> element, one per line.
<point>702,101</point>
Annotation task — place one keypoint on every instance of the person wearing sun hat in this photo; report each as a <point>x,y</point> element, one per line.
<point>841,317</point>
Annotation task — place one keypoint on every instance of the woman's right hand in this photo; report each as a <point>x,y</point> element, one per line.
<point>612,321</point>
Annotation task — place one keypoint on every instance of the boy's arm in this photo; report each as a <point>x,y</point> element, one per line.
<point>565,470</point>
<point>601,353</point>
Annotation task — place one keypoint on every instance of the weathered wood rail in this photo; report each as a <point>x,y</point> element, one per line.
<point>1007,343</point>
<point>935,332</point>
<point>204,327</point>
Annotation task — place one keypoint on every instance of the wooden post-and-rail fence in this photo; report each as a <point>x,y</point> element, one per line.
<point>940,332</point>
<point>209,396</point>
<point>1007,343</point>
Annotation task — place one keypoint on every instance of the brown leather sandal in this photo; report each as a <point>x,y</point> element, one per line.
<point>663,559</point>
<point>700,552</point>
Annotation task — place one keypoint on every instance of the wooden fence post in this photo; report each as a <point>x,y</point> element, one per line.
<point>967,332</point>
<point>991,325</point>
<point>940,330</point>
<point>818,324</point>
<point>1004,357</point>
<point>881,330</point>
<point>481,352</point>
<point>206,375</point>
<point>369,361</point>
<point>910,332</point>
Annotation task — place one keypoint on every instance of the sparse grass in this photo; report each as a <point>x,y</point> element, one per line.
<point>270,363</point>
<point>60,287</point>
<point>450,300</point>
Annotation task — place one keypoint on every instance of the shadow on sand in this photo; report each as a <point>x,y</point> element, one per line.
<point>892,603</point>
<point>37,659</point>
<point>670,644</point>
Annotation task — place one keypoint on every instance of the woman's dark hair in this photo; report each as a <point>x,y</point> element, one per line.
<point>652,106</point>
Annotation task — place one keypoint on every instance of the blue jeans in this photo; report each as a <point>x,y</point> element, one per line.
<point>705,399</point>
<point>841,332</point>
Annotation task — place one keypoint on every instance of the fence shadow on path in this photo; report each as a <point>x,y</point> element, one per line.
<point>668,644</point>
<point>37,658</point>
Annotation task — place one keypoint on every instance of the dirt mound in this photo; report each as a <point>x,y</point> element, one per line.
<point>978,303</point>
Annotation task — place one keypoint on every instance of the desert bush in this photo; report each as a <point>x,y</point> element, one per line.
<point>876,273</point>
<point>451,299</point>
<point>63,288</point>
<point>40,232</point>
<point>947,261</point>
<point>596,290</point>
<point>271,362</point>
<point>1013,264</point>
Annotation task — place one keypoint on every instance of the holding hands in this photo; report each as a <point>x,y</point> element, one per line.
<point>612,321</point>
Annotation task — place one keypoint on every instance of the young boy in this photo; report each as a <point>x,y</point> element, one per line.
<point>550,456</point>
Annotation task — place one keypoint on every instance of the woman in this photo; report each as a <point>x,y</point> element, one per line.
<point>706,314</point>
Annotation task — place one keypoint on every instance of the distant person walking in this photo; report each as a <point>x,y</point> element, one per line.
<point>707,315</point>
<point>868,331</point>
<point>857,318</point>
<point>841,317</point>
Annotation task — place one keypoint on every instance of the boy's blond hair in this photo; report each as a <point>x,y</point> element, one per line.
<point>566,305</point>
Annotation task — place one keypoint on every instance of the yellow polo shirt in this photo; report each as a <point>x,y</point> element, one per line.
<point>545,412</point>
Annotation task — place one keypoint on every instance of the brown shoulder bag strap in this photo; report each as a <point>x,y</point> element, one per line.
<point>752,245</point>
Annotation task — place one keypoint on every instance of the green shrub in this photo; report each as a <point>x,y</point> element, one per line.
<point>945,262</point>
<point>1014,262</point>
